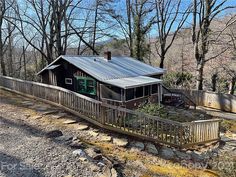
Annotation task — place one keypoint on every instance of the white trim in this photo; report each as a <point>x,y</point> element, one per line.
<point>68,81</point>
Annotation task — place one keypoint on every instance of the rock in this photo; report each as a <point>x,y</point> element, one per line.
<point>49,112</point>
<point>114,173</point>
<point>122,142</point>
<point>40,109</point>
<point>77,145</point>
<point>201,116</point>
<point>151,148</point>
<point>183,155</point>
<point>54,134</point>
<point>83,159</point>
<point>36,117</point>
<point>231,143</point>
<point>94,168</point>
<point>100,164</point>
<point>233,135</point>
<point>109,172</point>
<point>97,150</point>
<point>27,103</point>
<point>105,138</point>
<point>167,153</point>
<point>91,152</point>
<point>225,138</point>
<point>79,152</point>
<point>62,114</point>
<point>92,133</point>
<point>82,127</point>
<point>197,156</point>
<point>138,145</point>
<point>69,121</point>
<point>56,116</point>
<point>64,138</point>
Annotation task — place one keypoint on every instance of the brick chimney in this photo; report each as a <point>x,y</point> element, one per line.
<point>107,55</point>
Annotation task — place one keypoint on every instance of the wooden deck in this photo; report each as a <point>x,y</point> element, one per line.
<point>119,119</point>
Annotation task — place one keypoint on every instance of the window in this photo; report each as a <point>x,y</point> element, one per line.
<point>111,92</point>
<point>146,90</point>
<point>86,85</point>
<point>81,85</point>
<point>91,87</point>
<point>139,92</point>
<point>68,81</point>
<point>129,94</point>
<point>154,88</point>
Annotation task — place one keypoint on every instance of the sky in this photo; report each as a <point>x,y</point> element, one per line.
<point>120,8</point>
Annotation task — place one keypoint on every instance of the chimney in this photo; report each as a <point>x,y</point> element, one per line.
<point>107,55</point>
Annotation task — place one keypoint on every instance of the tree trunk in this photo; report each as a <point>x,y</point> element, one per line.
<point>162,62</point>
<point>213,81</point>
<point>95,27</point>
<point>232,86</point>
<point>57,22</point>
<point>10,53</point>
<point>3,68</point>
<point>128,6</point>
<point>24,60</point>
<point>199,83</point>
<point>162,54</point>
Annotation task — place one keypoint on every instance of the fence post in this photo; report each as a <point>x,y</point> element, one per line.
<point>59,97</point>
<point>219,129</point>
<point>103,114</point>
<point>181,136</point>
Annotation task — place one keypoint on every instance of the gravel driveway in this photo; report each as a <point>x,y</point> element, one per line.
<point>26,152</point>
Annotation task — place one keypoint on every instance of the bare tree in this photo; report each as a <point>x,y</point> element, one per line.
<point>141,11</point>
<point>5,6</point>
<point>171,16</point>
<point>125,24</point>
<point>135,25</point>
<point>204,12</point>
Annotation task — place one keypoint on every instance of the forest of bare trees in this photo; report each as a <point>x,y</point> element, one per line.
<point>197,36</point>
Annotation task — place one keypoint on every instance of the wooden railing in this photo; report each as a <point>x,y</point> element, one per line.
<point>183,96</point>
<point>119,119</point>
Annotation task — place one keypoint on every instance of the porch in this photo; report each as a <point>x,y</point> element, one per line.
<point>131,92</point>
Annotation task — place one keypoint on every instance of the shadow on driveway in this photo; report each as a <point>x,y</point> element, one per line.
<point>11,166</point>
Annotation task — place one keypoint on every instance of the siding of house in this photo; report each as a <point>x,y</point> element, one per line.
<point>67,70</point>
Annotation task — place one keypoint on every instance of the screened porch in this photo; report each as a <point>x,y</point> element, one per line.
<point>133,89</point>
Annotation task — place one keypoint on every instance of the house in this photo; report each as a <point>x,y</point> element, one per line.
<point>122,81</point>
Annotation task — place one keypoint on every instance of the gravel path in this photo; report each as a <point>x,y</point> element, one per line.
<point>26,152</point>
<point>218,113</point>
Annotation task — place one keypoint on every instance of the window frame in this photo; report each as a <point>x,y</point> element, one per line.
<point>70,81</point>
<point>86,80</point>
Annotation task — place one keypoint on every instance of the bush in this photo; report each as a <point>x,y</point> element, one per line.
<point>152,109</point>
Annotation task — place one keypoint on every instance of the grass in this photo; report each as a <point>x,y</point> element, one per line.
<point>228,125</point>
<point>161,167</point>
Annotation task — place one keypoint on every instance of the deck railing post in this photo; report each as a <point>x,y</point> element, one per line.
<point>103,114</point>
<point>59,97</point>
